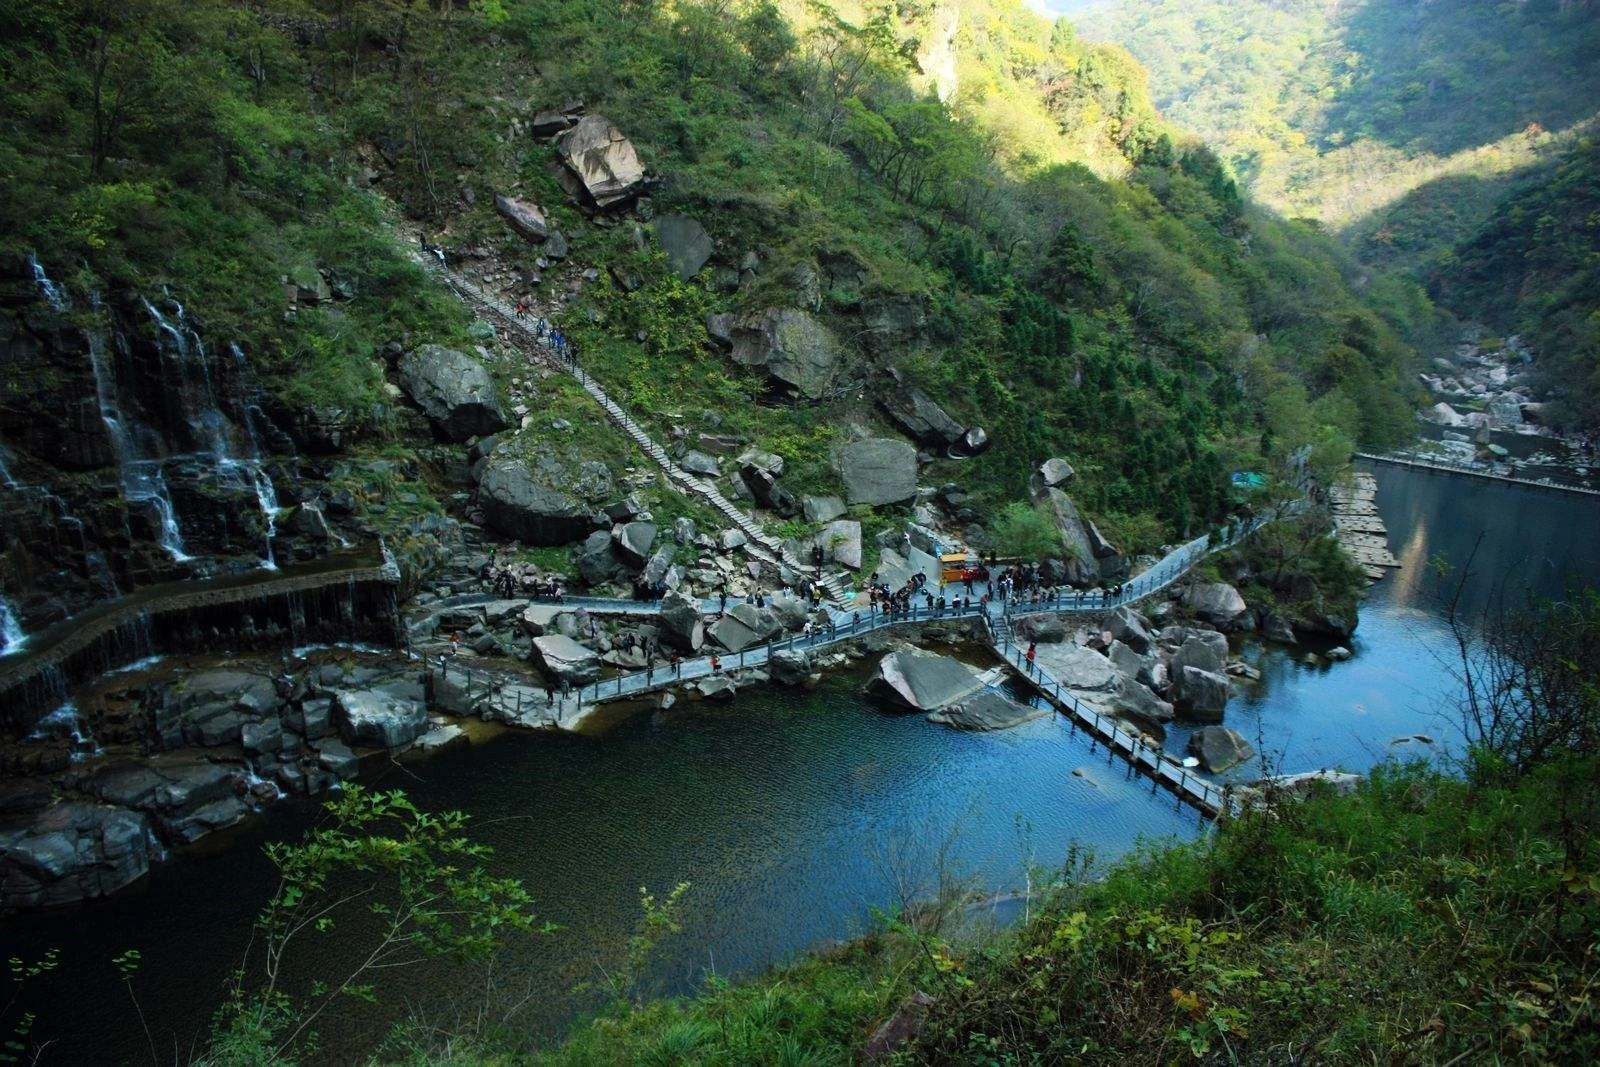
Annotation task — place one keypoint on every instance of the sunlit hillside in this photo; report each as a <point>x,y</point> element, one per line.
<point>1336,111</point>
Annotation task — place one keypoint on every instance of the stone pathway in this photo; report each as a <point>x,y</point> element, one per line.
<point>1359,527</point>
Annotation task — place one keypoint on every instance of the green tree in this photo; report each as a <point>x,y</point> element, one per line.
<point>422,886</point>
<point>1025,531</point>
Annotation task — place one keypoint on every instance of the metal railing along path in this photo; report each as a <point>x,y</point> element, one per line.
<point>1145,756</point>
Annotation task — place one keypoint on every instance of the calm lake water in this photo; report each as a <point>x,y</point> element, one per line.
<point>794,815</point>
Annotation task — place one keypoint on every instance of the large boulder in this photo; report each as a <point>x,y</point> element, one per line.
<point>71,852</point>
<point>917,413</point>
<point>1321,623</point>
<point>791,346</point>
<point>841,540</point>
<point>1174,638</point>
<point>1080,563</point>
<point>680,623</point>
<point>602,159</point>
<point>1215,602</point>
<point>1219,748</point>
<point>686,243</point>
<point>1203,655</point>
<point>1110,561</point>
<point>1135,700</point>
<point>1078,668</point>
<point>453,390</point>
<point>543,500</point>
<point>1127,661</point>
<point>879,470</point>
<point>763,485</point>
<point>743,626</point>
<point>1132,629</point>
<point>1201,696</point>
<point>921,681</point>
<point>378,717</point>
<point>986,710</point>
<point>790,666</point>
<point>634,541</point>
<point>1046,629</point>
<point>527,219</point>
<point>600,561</point>
<point>563,659</point>
<point>1054,472</point>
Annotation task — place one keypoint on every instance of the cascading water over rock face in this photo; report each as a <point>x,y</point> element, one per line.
<point>53,294</point>
<point>66,722</point>
<point>11,634</point>
<point>142,479</point>
<point>233,446</point>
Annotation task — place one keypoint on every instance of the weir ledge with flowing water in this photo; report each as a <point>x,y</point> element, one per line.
<point>344,597</point>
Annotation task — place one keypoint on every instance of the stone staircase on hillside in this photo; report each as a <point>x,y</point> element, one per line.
<point>760,544</point>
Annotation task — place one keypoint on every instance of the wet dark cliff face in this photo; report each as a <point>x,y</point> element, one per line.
<point>133,449</point>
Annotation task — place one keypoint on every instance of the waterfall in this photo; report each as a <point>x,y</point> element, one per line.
<point>53,294</point>
<point>266,495</point>
<point>142,480</point>
<point>11,635</point>
<point>65,721</point>
<point>252,779</point>
<point>5,472</point>
<point>314,507</point>
<point>211,427</point>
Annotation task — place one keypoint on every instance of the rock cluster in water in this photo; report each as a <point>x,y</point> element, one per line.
<point>190,754</point>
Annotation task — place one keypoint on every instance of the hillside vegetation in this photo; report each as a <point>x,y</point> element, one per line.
<point>1336,111</point>
<point>1451,141</point>
<point>1075,276</point>
<point>1421,918</point>
<point>1534,268</point>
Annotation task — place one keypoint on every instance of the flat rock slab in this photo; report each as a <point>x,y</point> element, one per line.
<point>922,681</point>
<point>560,657</point>
<point>879,470</point>
<point>1078,668</point>
<point>986,710</point>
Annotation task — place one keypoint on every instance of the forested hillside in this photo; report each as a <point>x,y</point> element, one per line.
<point>1453,141</point>
<point>1535,269</point>
<point>1038,251</point>
<point>1336,111</point>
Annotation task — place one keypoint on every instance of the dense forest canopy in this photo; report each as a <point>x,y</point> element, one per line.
<point>1454,141</point>
<point>1093,282</point>
<point>1336,110</point>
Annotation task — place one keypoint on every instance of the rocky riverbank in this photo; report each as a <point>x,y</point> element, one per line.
<point>1487,415</point>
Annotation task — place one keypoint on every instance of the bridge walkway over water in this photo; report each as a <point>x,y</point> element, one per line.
<point>528,704</point>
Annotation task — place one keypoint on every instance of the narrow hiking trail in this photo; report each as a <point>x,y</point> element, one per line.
<point>759,543</point>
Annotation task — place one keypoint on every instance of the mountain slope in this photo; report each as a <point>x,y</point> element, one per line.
<point>1534,268</point>
<point>1037,251</point>
<point>1336,111</point>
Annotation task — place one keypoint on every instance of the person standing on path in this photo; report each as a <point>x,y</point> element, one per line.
<point>1033,649</point>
